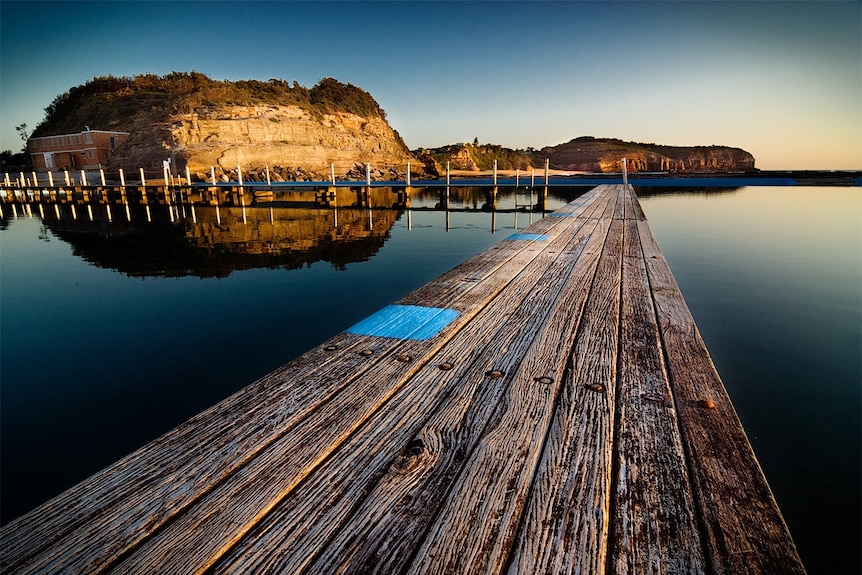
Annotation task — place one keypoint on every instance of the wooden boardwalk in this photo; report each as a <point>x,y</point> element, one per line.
<point>548,406</point>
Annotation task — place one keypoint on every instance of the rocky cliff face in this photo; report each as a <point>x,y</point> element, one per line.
<point>293,142</point>
<point>605,155</point>
<point>297,133</point>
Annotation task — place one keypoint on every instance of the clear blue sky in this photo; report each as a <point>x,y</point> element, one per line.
<point>782,80</point>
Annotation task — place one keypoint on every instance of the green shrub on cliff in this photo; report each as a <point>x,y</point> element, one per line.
<point>115,103</point>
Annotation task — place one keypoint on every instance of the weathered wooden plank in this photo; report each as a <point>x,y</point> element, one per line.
<point>199,536</point>
<point>216,443</point>
<point>363,456</point>
<point>479,520</point>
<point>654,525</point>
<point>743,529</point>
<point>565,524</point>
<point>391,477</point>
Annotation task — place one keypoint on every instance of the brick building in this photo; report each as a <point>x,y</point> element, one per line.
<point>85,150</point>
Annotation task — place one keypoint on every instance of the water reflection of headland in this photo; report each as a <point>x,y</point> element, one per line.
<point>211,233</point>
<point>648,191</point>
<point>213,242</point>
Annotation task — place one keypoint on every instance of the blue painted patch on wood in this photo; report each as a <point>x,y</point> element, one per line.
<point>405,322</point>
<point>530,237</point>
<point>560,215</point>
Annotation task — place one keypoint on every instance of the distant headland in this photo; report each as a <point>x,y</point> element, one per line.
<point>300,133</point>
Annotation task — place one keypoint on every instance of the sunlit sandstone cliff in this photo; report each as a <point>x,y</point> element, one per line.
<point>593,155</point>
<point>297,133</point>
<point>589,154</point>
<point>202,123</point>
<point>292,142</point>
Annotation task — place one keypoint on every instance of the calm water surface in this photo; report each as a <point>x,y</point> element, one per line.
<point>773,277</point>
<point>112,333</point>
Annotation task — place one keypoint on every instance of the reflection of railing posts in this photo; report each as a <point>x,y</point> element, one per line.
<point>531,206</point>
<point>335,204</point>
<point>492,199</point>
<point>370,218</point>
<point>123,196</point>
<point>241,195</point>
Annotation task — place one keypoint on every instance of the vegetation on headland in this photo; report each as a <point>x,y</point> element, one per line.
<point>147,104</point>
<point>476,156</point>
<point>112,103</point>
<point>589,154</point>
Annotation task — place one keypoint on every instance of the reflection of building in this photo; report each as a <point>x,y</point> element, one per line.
<point>84,150</point>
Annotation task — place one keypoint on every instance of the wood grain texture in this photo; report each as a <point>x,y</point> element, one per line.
<point>254,491</point>
<point>394,479</point>
<point>743,528</point>
<point>557,425</point>
<point>565,526</point>
<point>147,489</point>
<point>654,524</point>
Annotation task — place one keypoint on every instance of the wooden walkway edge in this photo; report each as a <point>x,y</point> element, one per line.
<point>548,406</point>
